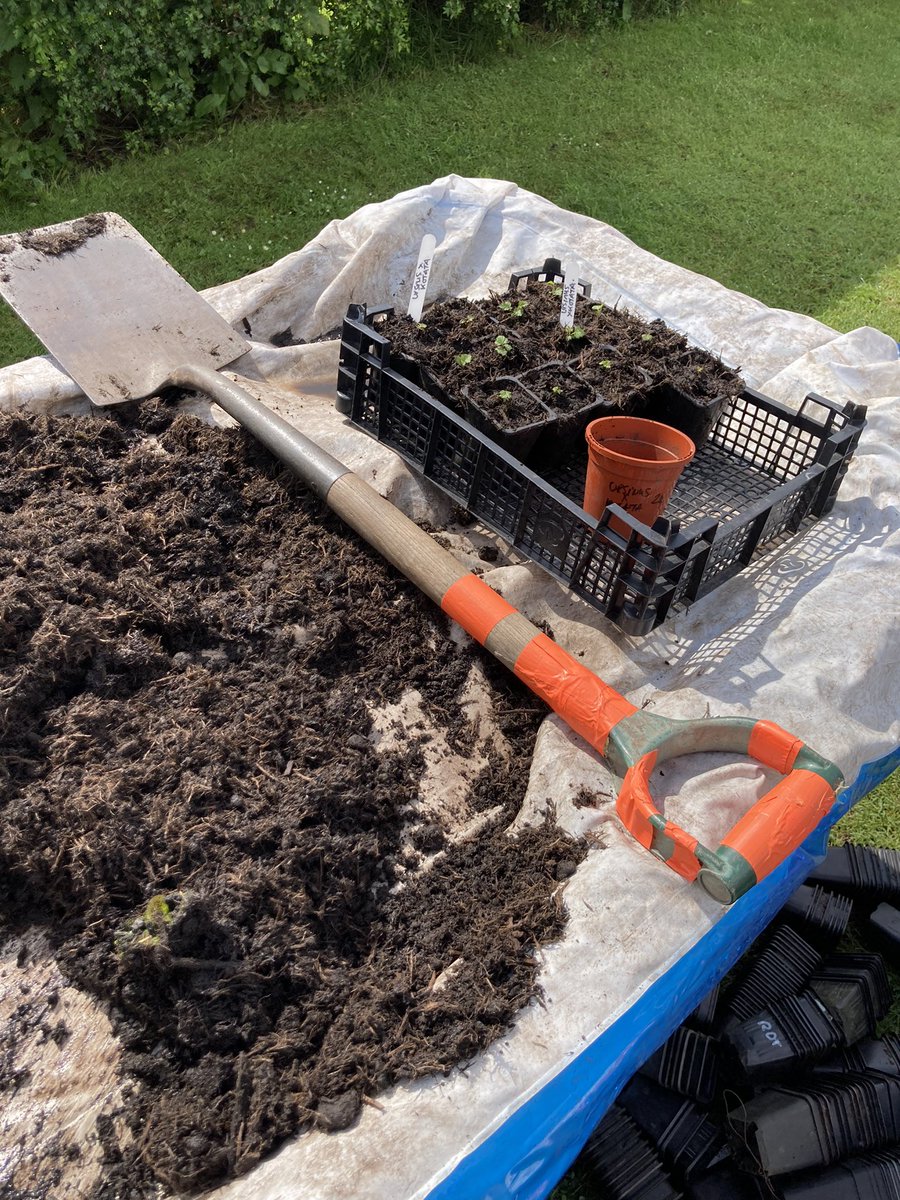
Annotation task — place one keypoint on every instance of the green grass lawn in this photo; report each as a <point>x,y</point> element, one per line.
<point>753,141</point>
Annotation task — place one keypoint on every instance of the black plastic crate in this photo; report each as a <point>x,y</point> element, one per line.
<point>760,473</point>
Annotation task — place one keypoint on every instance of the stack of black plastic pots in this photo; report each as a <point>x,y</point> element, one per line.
<point>777,1086</point>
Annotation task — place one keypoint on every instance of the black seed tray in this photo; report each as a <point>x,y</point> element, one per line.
<point>885,925</point>
<point>703,1018</point>
<point>685,1137</point>
<point>792,1129</point>
<point>727,1183</point>
<point>624,1163</point>
<point>872,1055</point>
<point>687,1063</point>
<point>856,989</point>
<point>761,472</point>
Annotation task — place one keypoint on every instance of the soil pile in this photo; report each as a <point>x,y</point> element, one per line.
<point>196,807</point>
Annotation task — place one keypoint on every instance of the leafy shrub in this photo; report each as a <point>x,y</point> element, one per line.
<point>591,14</point>
<point>499,17</point>
<point>364,36</point>
<point>74,73</point>
<point>77,76</point>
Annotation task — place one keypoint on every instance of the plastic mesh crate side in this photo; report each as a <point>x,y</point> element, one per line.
<point>364,354</point>
<point>761,433</point>
<point>778,440</point>
<point>736,541</point>
<point>647,590</point>
<point>697,562</point>
<point>724,558</point>
<point>783,511</point>
<point>836,453</point>
<point>635,577</point>
<point>544,529</point>
<point>454,461</point>
<point>788,511</point>
<point>679,570</point>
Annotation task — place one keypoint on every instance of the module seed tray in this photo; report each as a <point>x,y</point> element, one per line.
<point>762,471</point>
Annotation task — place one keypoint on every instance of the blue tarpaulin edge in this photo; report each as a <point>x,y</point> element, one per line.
<point>530,1152</point>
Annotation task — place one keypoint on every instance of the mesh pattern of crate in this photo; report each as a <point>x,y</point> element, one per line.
<point>762,472</point>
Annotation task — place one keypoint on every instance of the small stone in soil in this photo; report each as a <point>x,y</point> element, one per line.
<point>339,1113</point>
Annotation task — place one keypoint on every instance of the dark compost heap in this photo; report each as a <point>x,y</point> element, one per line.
<point>194,809</point>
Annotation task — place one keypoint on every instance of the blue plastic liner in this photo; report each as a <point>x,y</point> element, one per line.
<point>527,1156</point>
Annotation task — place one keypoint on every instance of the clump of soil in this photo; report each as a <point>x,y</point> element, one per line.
<point>56,242</point>
<point>487,352</point>
<point>195,808</point>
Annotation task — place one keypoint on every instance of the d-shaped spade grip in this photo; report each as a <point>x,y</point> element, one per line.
<point>634,742</point>
<point>773,828</point>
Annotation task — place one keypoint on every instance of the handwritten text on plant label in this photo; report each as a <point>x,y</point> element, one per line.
<point>569,296</point>
<point>420,279</point>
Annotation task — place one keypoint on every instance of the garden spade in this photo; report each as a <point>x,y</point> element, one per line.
<point>124,324</point>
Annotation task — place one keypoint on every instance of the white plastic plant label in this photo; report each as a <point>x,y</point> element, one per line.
<point>569,296</point>
<point>420,279</point>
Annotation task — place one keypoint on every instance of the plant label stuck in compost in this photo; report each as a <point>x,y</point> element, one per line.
<point>420,279</point>
<point>569,297</point>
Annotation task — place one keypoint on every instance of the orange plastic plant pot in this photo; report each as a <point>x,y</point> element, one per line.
<point>634,463</point>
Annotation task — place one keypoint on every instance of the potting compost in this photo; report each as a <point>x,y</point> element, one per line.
<point>209,805</point>
<point>274,832</point>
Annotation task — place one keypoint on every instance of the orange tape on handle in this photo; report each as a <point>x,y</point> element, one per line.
<point>774,746</point>
<point>777,824</point>
<point>587,704</point>
<point>475,606</point>
<point>635,807</point>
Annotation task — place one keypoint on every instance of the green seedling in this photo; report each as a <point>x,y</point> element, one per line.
<point>556,390</point>
<point>515,310</point>
<point>462,360</point>
<point>646,337</point>
<point>502,345</point>
<point>597,308</point>
<point>144,930</point>
<point>506,394</point>
<point>421,325</point>
<point>555,288</point>
<point>606,364</point>
<point>574,333</point>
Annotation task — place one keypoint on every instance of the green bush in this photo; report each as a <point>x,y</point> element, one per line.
<point>75,74</point>
<point>591,14</point>
<point>78,77</point>
<point>498,17</point>
<point>364,36</point>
